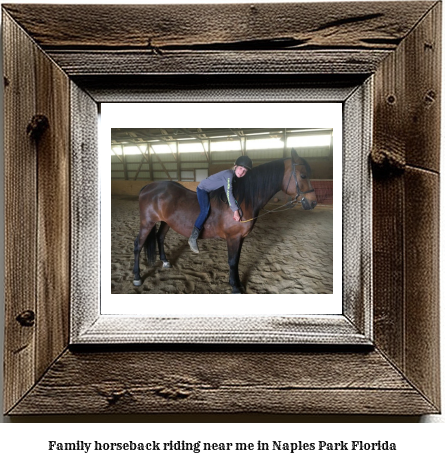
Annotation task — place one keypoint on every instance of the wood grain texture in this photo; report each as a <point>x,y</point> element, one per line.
<point>388,201</point>
<point>357,209</point>
<point>37,216</point>
<point>221,382</point>
<point>85,211</point>
<point>422,284</point>
<point>373,25</point>
<point>408,97</point>
<point>406,205</point>
<point>228,39</point>
<point>422,98</point>
<point>107,329</point>
<point>398,42</point>
<point>78,63</point>
<point>388,268</point>
<point>20,213</point>
<point>53,223</point>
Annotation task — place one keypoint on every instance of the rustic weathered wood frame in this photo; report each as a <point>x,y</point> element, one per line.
<point>90,323</point>
<point>66,61</point>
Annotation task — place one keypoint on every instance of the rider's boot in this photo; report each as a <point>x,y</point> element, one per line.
<point>193,240</point>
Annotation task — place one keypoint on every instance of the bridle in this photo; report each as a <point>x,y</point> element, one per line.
<point>294,175</point>
<point>291,203</point>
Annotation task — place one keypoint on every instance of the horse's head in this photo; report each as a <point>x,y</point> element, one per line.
<point>296,181</point>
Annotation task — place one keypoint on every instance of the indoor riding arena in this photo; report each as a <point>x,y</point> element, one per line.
<point>288,251</point>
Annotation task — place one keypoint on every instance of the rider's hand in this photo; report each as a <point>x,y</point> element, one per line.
<point>236,216</point>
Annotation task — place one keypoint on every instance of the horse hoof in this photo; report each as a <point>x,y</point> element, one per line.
<point>238,290</point>
<point>137,282</point>
<point>166,264</point>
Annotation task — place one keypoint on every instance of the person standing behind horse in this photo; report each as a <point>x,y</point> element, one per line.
<point>223,178</point>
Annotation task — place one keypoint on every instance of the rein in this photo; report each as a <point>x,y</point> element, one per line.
<point>291,202</point>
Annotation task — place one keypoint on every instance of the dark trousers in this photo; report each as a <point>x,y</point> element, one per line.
<point>204,204</point>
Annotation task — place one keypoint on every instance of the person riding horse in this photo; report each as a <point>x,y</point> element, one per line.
<point>176,207</point>
<point>223,178</point>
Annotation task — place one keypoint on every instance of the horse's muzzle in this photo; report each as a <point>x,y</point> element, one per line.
<point>308,205</point>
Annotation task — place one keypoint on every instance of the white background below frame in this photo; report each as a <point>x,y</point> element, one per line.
<point>270,115</point>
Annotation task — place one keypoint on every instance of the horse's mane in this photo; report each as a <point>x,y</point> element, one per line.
<point>258,185</point>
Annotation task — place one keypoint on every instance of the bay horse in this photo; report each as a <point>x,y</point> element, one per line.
<point>177,207</point>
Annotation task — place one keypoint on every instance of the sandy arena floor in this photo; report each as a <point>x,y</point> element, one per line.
<point>286,253</point>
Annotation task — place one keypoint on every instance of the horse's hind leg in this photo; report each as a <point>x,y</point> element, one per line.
<point>137,281</point>
<point>160,236</point>
<point>138,244</point>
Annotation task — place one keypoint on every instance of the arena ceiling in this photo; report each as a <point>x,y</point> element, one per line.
<point>152,135</point>
<point>177,153</point>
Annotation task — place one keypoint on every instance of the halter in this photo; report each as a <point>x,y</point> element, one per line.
<point>294,175</point>
<point>291,203</point>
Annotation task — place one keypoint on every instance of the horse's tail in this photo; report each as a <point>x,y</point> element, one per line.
<point>150,247</point>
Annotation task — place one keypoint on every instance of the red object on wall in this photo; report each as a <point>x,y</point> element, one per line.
<point>323,191</point>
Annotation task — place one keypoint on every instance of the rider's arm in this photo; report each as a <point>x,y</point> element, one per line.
<point>229,191</point>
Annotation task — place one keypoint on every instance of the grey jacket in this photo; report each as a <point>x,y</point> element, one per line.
<point>223,178</point>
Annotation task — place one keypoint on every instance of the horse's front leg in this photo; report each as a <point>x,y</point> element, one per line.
<point>138,244</point>
<point>234,245</point>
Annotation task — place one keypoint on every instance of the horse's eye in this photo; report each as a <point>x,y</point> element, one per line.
<point>303,176</point>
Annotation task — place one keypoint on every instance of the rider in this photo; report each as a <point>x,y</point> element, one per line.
<point>223,178</point>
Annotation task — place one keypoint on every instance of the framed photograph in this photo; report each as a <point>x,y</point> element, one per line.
<point>284,247</point>
<point>281,273</point>
<point>371,345</point>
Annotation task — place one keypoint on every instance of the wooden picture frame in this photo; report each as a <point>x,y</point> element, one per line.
<point>66,63</point>
<point>227,322</point>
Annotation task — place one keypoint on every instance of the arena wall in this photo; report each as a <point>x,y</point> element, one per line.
<point>323,189</point>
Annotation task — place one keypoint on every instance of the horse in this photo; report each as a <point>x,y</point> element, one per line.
<point>176,207</point>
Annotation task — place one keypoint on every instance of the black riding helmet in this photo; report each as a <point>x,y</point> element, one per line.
<point>244,161</point>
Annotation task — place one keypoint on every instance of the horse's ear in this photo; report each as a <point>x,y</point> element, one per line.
<point>294,155</point>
